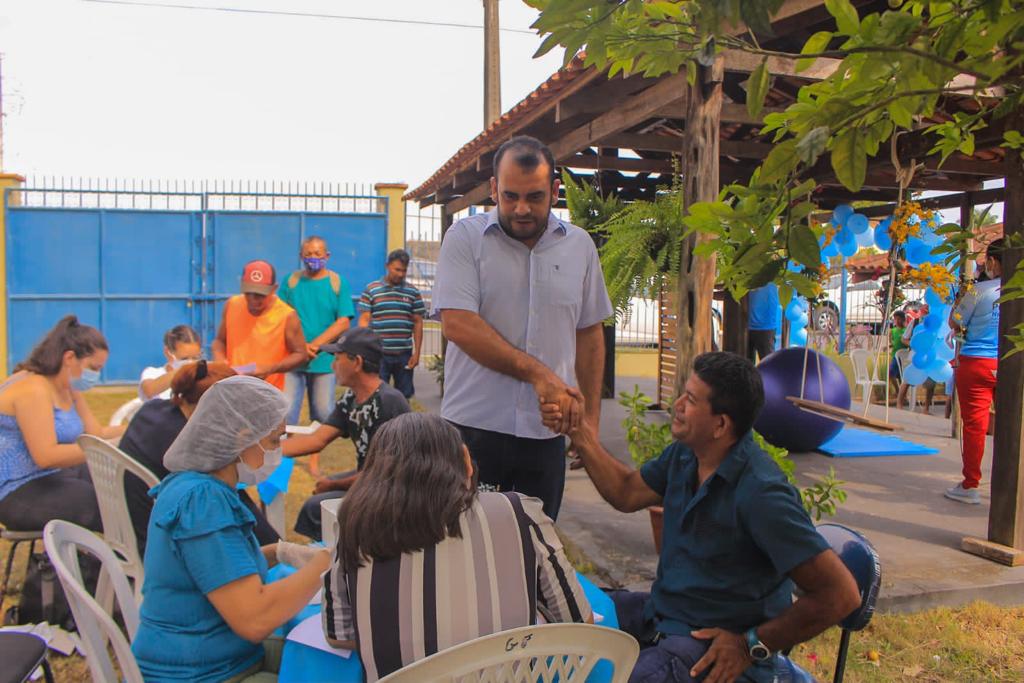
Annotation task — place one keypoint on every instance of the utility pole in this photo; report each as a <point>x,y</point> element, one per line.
<point>492,64</point>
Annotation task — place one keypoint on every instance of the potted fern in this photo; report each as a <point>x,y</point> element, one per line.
<point>645,440</point>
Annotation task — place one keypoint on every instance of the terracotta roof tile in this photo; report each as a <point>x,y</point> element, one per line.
<point>542,96</point>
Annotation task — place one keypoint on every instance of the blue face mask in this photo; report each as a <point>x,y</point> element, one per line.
<point>314,264</point>
<point>87,381</point>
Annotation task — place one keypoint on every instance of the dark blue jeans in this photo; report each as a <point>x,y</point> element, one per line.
<point>671,658</point>
<point>393,366</point>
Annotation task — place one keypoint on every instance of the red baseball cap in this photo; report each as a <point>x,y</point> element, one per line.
<point>258,277</point>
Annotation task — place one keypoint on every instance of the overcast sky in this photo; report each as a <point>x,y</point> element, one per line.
<point>132,91</point>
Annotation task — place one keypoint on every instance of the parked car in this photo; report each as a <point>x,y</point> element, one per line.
<point>864,304</point>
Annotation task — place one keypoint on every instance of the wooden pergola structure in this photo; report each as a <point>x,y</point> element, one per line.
<point>621,135</point>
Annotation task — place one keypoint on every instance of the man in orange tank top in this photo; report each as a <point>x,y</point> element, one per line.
<point>259,334</point>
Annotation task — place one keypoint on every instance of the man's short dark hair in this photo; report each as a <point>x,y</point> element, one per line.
<point>900,315</point>
<point>995,250</point>
<point>528,153</point>
<point>736,387</point>
<point>399,255</point>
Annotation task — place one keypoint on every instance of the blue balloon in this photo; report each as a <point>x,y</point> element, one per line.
<point>848,248</point>
<point>944,351</point>
<point>914,375</point>
<point>921,342</point>
<point>841,213</point>
<point>793,311</point>
<point>933,300</point>
<point>865,239</point>
<point>940,371</point>
<point>830,250</point>
<point>922,359</point>
<point>794,267</point>
<point>916,251</point>
<point>802,321</point>
<point>882,239</point>
<point>857,223</point>
<point>798,337</point>
<point>932,322</point>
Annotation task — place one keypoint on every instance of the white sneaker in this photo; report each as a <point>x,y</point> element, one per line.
<point>962,495</point>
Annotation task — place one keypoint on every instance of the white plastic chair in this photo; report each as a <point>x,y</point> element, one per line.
<point>903,362</point>
<point>107,467</point>
<point>862,375</point>
<point>125,412</point>
<point>529,653</point>
<point>63,540</point>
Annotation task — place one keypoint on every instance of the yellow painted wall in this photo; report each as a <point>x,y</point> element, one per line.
<point>636,363</point>
<point>396,212</point>
<point>6,180</point>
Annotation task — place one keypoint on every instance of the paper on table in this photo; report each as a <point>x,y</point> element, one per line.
<point>310,633</point>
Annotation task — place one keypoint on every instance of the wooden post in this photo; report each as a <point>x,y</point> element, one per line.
<point>734,324</point>
<point>696,284</point>
<point>446,222</point>
<point>1006,516</point>
<point>606,180</point>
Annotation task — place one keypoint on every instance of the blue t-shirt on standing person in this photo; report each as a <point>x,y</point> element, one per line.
<point>200,538</point>
<point>979,316</point>
<point>763,304</point>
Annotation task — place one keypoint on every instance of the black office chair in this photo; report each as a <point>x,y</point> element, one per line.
<point>22,653</point>
<point>860,558</point>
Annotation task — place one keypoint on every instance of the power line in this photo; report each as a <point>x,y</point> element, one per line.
<point>313,15</point>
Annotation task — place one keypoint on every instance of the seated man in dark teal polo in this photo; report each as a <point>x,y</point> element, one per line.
<point>736,539</point>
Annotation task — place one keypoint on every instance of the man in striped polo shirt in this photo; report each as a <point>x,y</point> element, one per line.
<point>394,310</point>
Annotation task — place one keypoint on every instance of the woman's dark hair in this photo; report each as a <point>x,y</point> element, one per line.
<point>191,381</point>
<point>410,494</point>
<point>736,387</point>
<point>180,334</point>
<point>68,335</point>
<point>995,250</point>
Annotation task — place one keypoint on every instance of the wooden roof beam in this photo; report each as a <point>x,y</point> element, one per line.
<point>745,62</point>
<point>731,113</point>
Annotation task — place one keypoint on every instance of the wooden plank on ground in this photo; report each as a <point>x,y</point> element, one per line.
<point>1011,557</point>
<point>841,414</point>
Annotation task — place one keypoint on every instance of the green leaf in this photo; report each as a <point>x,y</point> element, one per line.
<point>550,43</point>
<point>766,274</point>
<point>803,246</point>
<point>780,162</point>
<point>850,159</point>
<point>1013,139</point>
<point>815,44</point>
<point>846,16</point>
<point>757,88</point>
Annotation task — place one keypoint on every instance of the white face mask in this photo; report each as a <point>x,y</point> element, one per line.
<point>251,477</point>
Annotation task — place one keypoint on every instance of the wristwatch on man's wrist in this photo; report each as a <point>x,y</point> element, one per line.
<point>758,651</point>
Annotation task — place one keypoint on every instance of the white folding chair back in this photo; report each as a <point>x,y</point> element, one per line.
<point>125,412</point>
<point>862,375</point>
<point>63,540</point>
<point>903,361</point>
<point>531,654</point>
<point>107,467</point>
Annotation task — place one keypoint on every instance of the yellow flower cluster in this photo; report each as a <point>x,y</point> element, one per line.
<point>901,227</point>
<point>937,278</point>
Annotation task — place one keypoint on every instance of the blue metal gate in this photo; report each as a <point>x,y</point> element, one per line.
<point>134,273</point>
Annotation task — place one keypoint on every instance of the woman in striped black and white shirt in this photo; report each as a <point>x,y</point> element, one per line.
<point>424,562</point>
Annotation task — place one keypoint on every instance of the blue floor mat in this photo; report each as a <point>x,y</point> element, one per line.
<point>852,442</point>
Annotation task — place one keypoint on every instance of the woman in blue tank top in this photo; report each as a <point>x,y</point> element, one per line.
<point>42,470</point>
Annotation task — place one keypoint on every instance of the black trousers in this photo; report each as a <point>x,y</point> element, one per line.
<point>760,342</point>
<point>66,494</point>
<point>533,467</point>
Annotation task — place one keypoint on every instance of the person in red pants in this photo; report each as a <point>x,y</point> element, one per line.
<point>977,316</point>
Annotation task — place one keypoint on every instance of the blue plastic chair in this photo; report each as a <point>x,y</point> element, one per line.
<point>860,558</point>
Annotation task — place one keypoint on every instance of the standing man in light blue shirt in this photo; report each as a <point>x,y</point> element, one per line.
<point>762,319</point>
<point>978,316</point>
<point>521,298</point>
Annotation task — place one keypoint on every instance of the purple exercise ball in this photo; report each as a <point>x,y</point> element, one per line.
<point>783,424</point>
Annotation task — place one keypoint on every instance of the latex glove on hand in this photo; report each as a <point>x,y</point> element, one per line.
<point>295,555</point>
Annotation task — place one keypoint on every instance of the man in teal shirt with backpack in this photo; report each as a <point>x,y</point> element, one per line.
<point>323,301</point>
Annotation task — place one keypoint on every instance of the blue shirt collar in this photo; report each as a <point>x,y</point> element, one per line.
<point>736,459</point>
